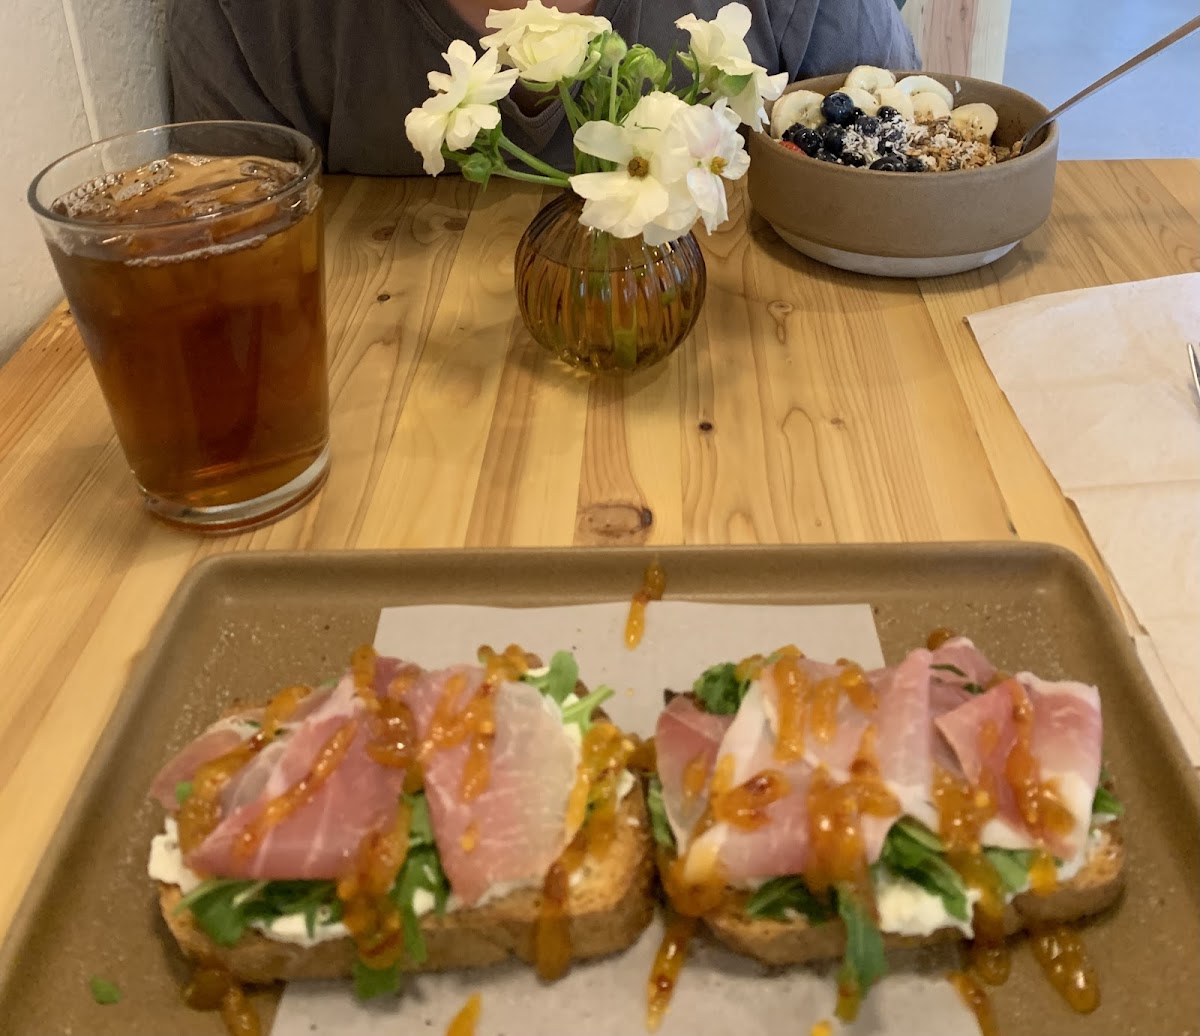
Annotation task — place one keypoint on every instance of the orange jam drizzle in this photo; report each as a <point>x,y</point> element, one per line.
<point>1043,874</point>
<point>668,963</point>
<point>1061,954</point>
<point>212,988</point>
<point>368,912</point>
<point>464,1023</point>
<point>510,664</point>
<point>654,585</point>
<point>745,807</point>
<point>552,933</point>
<point>475,724</point>
<point>837,852</point>
<point>695,776</point>
<point>469,839</point>
<point>299,794</point>
<point>821,1028</point>
<point>977,1000</point>
<point>201,810</point>
<point>938,636</point>
<point>791,683</point>
<point>1039,802</point>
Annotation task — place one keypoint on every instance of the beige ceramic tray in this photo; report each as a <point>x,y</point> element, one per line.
<point>252,622</point>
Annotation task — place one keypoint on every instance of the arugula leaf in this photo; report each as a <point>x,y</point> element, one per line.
<point>420,825</point>
<point>719,690</point>
<point>1106,803</point>
<point>945,667</point>
<point>974,688</point>
<point>864,963</point>
<point>774,898</point>
<point>913,852</point>
<point>580,712</point>
<point>183,791</point>
<point>217,908</point>
<point>422,870</point>
<point>104,992</point>
<point>1012,865</point>
<point>560,678</point>
<point>658,814</point>
<point>373,982</point>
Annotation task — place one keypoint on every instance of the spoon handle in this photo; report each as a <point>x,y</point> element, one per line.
<point>1184,30</point>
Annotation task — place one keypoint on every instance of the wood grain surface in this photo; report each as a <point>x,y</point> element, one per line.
<point>809,406</point>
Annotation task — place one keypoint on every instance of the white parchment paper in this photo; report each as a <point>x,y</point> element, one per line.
<point>718,992</point>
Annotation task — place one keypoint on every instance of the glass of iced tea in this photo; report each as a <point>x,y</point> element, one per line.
<point>191,257</point>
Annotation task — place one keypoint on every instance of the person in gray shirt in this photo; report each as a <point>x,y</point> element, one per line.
<point>346,72</point>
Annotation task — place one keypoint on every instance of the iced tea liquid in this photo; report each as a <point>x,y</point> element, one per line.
<point>203,314</point>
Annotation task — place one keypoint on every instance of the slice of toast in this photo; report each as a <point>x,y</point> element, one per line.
<point>797,941</point>
<point>610,903</point>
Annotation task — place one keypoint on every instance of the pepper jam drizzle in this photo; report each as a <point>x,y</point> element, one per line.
<point>213,988</point>
<point>201,811</point>
<point>604,754</point>
<point>654,585</point>
<point>464,1023</point>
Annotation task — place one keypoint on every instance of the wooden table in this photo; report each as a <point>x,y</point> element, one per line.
<point>809,406</point>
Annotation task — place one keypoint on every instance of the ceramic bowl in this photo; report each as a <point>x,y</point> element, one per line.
<point>910,224</point>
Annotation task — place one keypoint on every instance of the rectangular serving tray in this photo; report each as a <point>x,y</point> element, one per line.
<point>241,625</point>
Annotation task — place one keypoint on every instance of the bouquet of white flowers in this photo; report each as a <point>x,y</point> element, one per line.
<point>649,160</point>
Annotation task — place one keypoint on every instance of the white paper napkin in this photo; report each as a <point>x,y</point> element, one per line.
<point>1100,380</point>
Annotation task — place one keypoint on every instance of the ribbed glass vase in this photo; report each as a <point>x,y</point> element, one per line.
<point>605,304</point>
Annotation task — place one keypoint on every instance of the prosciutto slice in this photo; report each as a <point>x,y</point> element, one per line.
<point>686,736</point>
<point>516,827</point>
<point>778,847</point>
<point>222,737</point>
<point>320,838</point>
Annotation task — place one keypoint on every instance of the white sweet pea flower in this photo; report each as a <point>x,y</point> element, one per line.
<point>705,149</point>
<point>463,103</point>
<point>542,43</point>
<point>636,197</point>
<point>725,64</point>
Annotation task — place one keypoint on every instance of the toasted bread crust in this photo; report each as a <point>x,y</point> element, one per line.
<point>609,907</point>
<point>1095,888</point>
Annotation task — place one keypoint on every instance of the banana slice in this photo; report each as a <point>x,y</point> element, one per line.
<point>977,121</point>
<point>870,78</point>
<point>929,107</point>
<point>912,85</point>
<point>800,106</point>
<point>894,97</point>
<point>868,102</point>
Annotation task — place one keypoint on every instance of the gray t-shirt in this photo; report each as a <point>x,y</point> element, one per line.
<point>346,72</point>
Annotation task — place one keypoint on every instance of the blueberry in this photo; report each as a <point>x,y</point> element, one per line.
<point>851,159</point>
<point>838,108</point>
<point>915,165</point>
<point>867,125</point>
<point>889,164</point>
<point>833,138</point>
<point>807,140</point>
<point>887,113</point>
<point>825,156</point>
<point>890,141</point>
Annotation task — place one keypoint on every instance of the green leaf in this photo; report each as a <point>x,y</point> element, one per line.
<point>218,909</point>
<point>773,899</point>
<point>864,963</point>
<point>183,791</point>
<point>719,690</point>
<point>1106,803</point>
<point>658,814</point>
<point>422,869</point>
<point>104,992</point>
<point>914,852</point>
<point>1012,865</point>
<point>580,712</point>
<point>947,668</point>
<point>420,824</point>
<point>477,168</point>
<point>373,982</point>
<point>560,678</point>
<point>974,688</point>
<point>731,86</point>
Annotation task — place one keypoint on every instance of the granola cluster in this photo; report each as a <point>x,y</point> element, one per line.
<point>942,146</point>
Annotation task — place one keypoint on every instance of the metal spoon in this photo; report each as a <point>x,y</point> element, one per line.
<point>1184,30</point>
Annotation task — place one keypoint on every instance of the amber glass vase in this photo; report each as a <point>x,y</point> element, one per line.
<point>605,304</point>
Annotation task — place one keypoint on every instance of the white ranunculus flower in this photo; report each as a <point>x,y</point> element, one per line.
<point>463,103</point>
<point>706,148</point>
<point>720,50</point>
<point>636,198</point>
<point>541,43</point>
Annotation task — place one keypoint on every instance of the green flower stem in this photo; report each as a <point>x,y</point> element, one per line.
<point>574,115</point>
<point>516,174</point>
<point>549,173</point>
<point>612,92</point>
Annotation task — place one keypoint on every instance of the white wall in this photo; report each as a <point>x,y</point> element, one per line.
<point>71,71</point>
